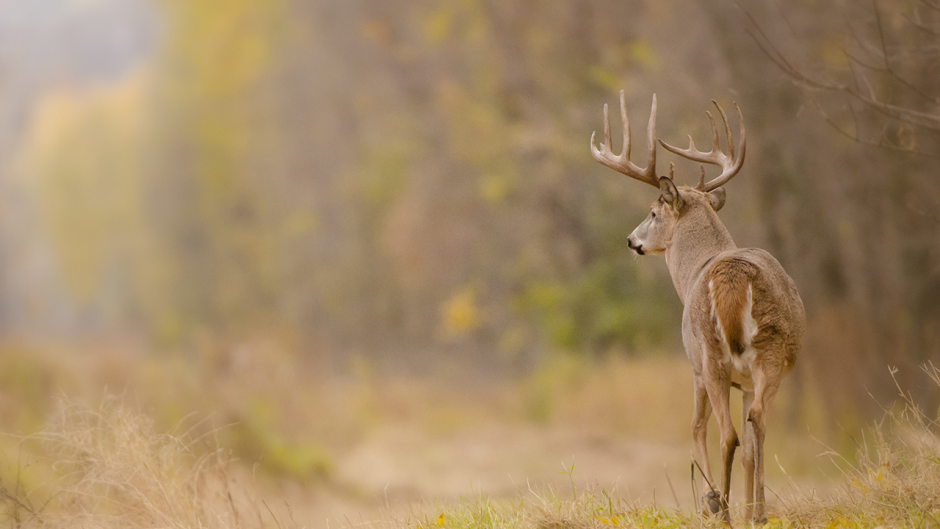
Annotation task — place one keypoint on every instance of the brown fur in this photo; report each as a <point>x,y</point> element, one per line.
<point>728,280</point>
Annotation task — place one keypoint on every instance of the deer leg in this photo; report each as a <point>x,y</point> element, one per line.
<point>700,415</point>
<point>765,389</point>
<point>747,459</point>
<point>719,393</point>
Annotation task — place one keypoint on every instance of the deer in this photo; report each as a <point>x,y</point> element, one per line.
<point>742,321</point>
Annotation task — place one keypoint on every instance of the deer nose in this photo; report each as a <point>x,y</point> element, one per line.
<point>638,248</point>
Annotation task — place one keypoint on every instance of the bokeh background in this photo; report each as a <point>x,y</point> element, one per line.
<point>367,239</point>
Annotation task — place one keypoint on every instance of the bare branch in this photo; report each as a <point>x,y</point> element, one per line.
<point>884,50</point>
<point>864,46</point>
<point>858,138</point>
<point>869,97</point>
<point>881,35</point>
<point>931,5</point>
<point>930,215</point>
<point>855,60</point>
<point>922,27</point>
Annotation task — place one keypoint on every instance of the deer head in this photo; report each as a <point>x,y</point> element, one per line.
<point>655,234</point>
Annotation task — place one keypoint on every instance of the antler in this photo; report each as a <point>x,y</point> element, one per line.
<point>622,163</point>
<point>730,165</point>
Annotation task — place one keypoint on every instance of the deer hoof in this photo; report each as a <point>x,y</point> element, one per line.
<point>714,502</point>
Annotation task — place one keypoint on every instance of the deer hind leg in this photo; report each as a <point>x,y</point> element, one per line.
<point>747,459</point>
<point>718,385</point>
<point>765,389</point>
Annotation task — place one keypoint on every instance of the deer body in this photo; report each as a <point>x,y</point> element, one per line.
<point>742,325</point>
<point>743,320</point>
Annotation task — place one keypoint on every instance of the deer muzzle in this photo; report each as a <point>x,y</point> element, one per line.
<point>636,247</point>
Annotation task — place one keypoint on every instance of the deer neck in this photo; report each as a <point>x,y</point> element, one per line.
<point>699,236</point>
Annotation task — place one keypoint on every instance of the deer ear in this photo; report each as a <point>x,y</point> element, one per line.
<point>670,192</point>
<point>717,198</point>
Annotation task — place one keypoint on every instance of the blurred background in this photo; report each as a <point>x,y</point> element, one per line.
<point>368,239</point>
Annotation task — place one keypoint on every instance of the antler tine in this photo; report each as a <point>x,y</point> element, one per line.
<point>727,175</point>
<point>606,144</point>
<point>730,164</point>
<point>626,125</point>
<point>711,121</point>
<point>651,145</point>
<point>724,119</point>
<point>621,163</point>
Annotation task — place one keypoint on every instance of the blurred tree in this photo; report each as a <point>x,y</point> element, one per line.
<point>870,75</point>
<point>83,156</point>
<point>393,178</point>
<point>880,68</point>
<point>470,126</point>
<point>214,156</point>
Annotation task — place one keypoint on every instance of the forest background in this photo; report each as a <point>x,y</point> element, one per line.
<point>281,202</point>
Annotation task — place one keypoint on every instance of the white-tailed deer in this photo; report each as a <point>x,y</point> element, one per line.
<point>743,320</point>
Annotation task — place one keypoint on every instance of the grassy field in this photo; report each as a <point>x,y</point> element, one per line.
<point>893,481</point>
<point>112,439</point>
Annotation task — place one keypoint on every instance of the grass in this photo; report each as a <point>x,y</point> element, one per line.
<point>893,481</point>
<point>548,510</point>
<point>109,468</point>
<point>142,460</point>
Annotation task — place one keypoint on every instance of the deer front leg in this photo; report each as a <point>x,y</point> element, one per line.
<point>718,385</point>
<point>702,411</point>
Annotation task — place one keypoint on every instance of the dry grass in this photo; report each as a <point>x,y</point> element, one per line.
<point>894,481</point>
<point>110,469</point>
<point>114,466</point>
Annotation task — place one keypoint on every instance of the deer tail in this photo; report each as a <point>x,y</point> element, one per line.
<point>732,299</point>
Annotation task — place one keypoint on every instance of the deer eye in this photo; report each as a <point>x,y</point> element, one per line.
<point>653,214</point>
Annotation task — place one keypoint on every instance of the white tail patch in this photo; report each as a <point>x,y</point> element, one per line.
<point>743,363</point>
<point>714,315</point>
<point>750,325</point>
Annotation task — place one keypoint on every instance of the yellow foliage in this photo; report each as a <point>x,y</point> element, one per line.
<point>222,50</point>
<point>832,53</point>
<point>461,314</point>
<point>438,25</point>
<point>88,152</point>
<point>81,163</point>
<point>642,52</point>
<point>494,188</point>
<point>219,108</point>
<point>604,78</point>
